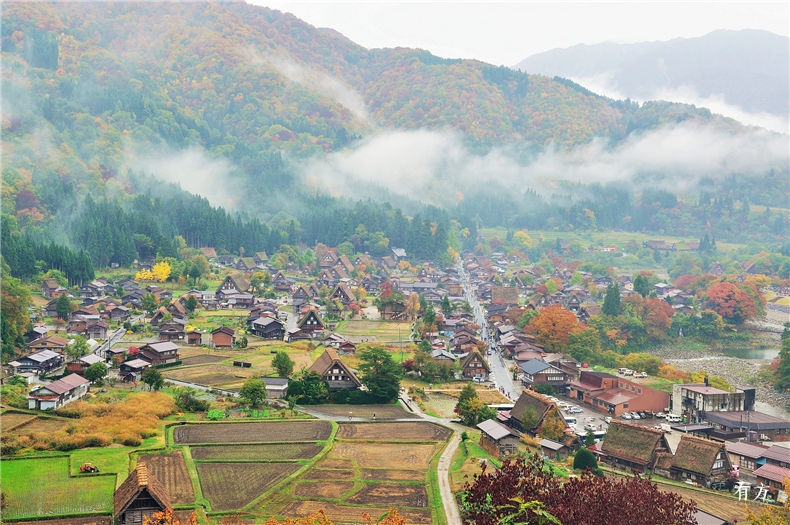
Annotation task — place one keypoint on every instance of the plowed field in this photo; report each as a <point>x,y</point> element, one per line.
<point>288,431</point>
<point>405,431</point>
<point>171,470</point>
<point>229,486</point>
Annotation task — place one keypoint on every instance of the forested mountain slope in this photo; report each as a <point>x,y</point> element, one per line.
<point>305,133</point>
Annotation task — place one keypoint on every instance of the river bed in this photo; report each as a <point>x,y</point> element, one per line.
<point>739,367</point>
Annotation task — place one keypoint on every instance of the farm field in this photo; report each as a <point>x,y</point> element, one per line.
<point>382,331</point>
<point>19,423</point>
<point>365,411</point>
<point>275,431</point>
<point>263,452</point>
<point>371,468</point>
<point>23,497</point>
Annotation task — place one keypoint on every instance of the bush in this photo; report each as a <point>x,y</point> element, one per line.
<point>584,459</point>
<point>215,414</point>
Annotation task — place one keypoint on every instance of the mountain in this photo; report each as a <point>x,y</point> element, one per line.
<point>748,68</point>
<point>115,115</point>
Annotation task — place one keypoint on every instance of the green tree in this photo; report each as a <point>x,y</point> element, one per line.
<point>782,373</point>
<point>153,378</point>
<point>63,306</point>
<point>186,399</point>
<point>611,302</point>
<point>584,459</point>
<point>77,348</point>
<point>253,391</point>
<point>191,303</point>
<point>310,389</point>
<point>283,364</point>
<point>14,315</point>
<point>149,303</point>
<point>96,372</point>
<point>380,374</point>
<point>642,285</point>
<point>471,409</point>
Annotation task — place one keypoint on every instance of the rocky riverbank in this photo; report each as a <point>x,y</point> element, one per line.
<point>738,372</point>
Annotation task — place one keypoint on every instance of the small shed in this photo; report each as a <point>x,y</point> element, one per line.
<point>276,387</point>
<point>553,449</point>
<point>497,439</point>
<point>139,496</point>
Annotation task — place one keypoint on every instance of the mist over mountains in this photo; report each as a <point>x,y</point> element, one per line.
<point>261,113</point>
<point>743,74</point>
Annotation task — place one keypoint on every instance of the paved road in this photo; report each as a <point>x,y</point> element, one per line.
<point>500,374</point>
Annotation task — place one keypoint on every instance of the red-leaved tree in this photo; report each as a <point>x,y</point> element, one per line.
<point>731,303</point>
<point>586,500</point>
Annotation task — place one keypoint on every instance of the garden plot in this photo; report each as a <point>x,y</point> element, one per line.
<point>229,486</point>
<point>263,452</point>
<point>262,432</point>
<point>352,514</point>
<point>407,431</point>
<point>406,456</point>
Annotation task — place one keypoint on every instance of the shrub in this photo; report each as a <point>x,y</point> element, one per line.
<point>584,459</point>
<point>215,414</point>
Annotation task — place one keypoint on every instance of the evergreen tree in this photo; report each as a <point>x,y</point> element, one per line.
<point>380,374</point>
<point>611,302</point>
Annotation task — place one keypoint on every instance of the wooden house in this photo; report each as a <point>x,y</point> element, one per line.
<point>311,322</point>
<point>37,363</point>
<point>344,294</point>
<point>497,439</point>
<point>51,289</point>
<point>772,476</point>
<point>223,337</point>
<point>538,372</point>
<point>633,447</point>
<point>276,387</point>
<point>139,497</point>
<point>80,365</point>
<point>268,328</point>
<point>696,460</point>
<point>336,373</point>
<point>163,352</point>
<point>172,330</point>
<point>58,393</point>
<point>474,366</point>
<point>194,337</point>
<point>532,410</point>
<point>132,371</point>
<point>554,450</point>
<point>231,285</point>
<point>49,342</point>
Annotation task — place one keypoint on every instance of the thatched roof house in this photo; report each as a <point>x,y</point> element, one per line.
<point>138,496</point>
<point>696,459</point>
<point>633,447</point>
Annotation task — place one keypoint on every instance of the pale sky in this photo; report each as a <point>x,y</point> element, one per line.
<point>504,33</point>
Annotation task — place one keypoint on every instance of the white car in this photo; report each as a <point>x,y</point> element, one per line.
<point>608,419</point>
<point>635,415</point>
<point>589,426</point>
<point>626,415</point>
<point>575,410</point>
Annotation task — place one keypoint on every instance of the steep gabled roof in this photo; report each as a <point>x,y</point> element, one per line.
<point>139,482</point>
<point>527,399</point>
<point>695,454</point>
<point>471,357</point>
<point>633,443</point>
<point>329,359</point>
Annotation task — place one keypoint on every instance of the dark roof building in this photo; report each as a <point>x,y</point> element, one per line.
<point>139,496</point>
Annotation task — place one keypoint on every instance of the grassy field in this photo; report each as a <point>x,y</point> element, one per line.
<point>383,331</point>
<point>42,486</point>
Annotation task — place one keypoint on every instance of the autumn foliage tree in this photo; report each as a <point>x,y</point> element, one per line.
<point>552,326</point>
<point>584,500</point>
<point>733,304</point>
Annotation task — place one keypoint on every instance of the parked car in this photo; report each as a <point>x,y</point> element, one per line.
<point>575,410</point>
<point>626,415</point>
<point>608,419</point>
<point>661,415</point>
<point>635,415</point>
<point>641,374</point>
<point>589,426</point>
